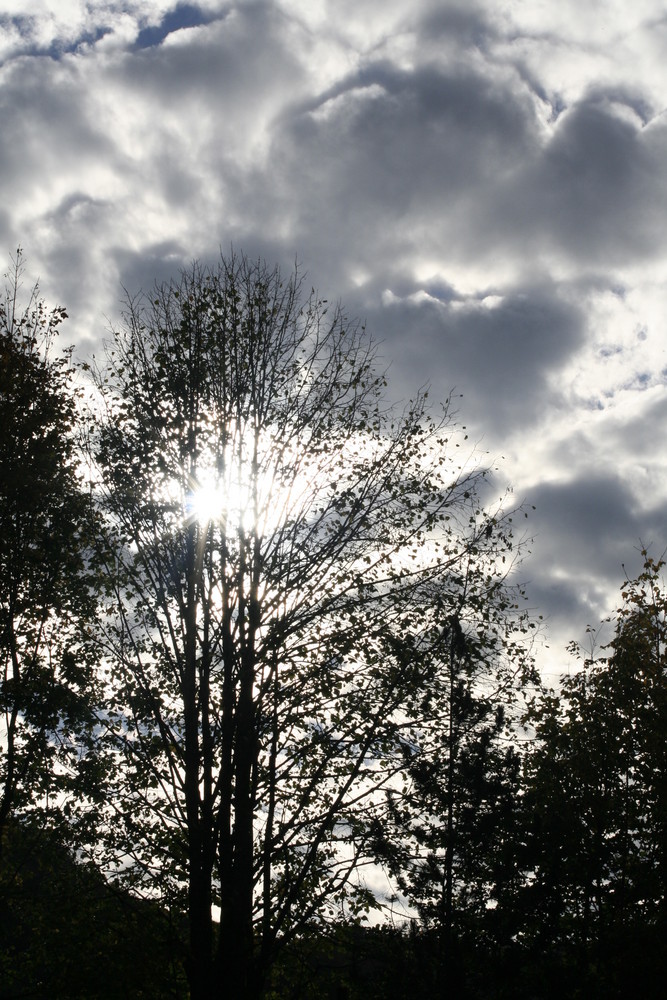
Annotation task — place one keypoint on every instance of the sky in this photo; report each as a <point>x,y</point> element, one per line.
<point>484,183</point>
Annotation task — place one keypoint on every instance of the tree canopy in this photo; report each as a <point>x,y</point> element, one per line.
<point>276,534</point>
<point>595,805</point>
<point>46,594</point>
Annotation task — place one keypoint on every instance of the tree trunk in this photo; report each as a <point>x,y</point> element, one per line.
<point>200,957</point>
<point>237,964</point>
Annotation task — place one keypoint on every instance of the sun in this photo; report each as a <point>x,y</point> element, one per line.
<point>247,491</point>
<point>213,498</point>
<point>206,502</point>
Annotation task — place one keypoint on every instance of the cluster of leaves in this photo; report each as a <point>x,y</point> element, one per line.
<point>66,932</point>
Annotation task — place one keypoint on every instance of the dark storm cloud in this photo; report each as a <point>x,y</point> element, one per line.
<point>390,147</point>
<point>456,160</point>
<point>598,516</point>
<point>46,129</point>
<point>227,67</point>
<point>140,272</point>
<point>453,162</point>
<point>380,170</point>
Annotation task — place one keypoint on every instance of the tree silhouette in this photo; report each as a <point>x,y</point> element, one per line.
<point>454,824</point>
<point>275,533</point>
<point>596,805</point>
<point>47,678</point>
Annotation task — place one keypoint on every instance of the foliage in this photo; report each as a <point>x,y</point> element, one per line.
<point>262,655</point>
<point>273,649</point>
<point>456,822</point>
<point>596,803</point>
<point>66,933</point>
<point>46,678</point>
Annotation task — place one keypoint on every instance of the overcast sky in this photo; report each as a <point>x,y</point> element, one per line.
<point>485,183</point>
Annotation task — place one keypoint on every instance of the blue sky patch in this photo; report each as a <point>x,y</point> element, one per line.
<point>184,16</point>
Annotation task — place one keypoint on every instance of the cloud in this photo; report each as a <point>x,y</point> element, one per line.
<point>599,517</point>
<point>498,351</point>
<point>482,183</point>
<point>396,158</point>
<point>593,195</point>
<point>588,536</point>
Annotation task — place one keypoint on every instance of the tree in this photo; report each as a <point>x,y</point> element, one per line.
<point>66,932</point>
<point>274,531</point>
<point>596,804</point>
<point>456,820</point>
<point>46,679</point>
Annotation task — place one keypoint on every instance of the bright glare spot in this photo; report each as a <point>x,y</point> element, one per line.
<point>212,500</point>
<point>206,503</point>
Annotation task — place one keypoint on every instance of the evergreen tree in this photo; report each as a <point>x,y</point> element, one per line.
<point>456,827</point>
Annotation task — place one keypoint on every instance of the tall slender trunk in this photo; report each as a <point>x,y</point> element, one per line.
<point>448,974</point>
<point>237,958</point>
<point>199,963</point>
